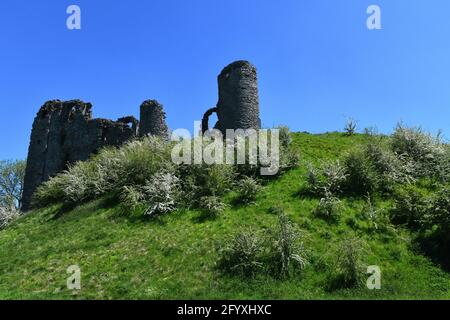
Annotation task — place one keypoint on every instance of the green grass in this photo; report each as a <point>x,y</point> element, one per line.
<point>174,257</point>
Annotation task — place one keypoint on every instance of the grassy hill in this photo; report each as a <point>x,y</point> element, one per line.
<point>174,257</point>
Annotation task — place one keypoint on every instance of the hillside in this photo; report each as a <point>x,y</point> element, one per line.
<point>174,257</point>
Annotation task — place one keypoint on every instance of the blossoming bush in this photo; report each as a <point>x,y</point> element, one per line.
<point>7,216</point>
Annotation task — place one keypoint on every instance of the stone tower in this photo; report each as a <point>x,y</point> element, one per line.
<point>238,106</point>
<point>153,120</point>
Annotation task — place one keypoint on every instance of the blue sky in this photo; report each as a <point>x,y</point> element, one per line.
<point>318,63</point>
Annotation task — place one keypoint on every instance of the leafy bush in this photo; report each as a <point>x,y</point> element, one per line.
<point>442,169</point>
<point>335,175</point>
<point>7,216</point>
<point>212,205</point>
<point>139,173</point>
<point>218,179</point>
<point>377,218</point>
<point>200,181</point>
<point>314,179</point>
<point>361,175</point>
<point>390,168</point>
<point>286,248</point>
<point>418,147</point>
<point>143,158</point>
<point>131,199</point>
<point>433,237</point>
<point>242,254</point>
<point>79,182</point>
<point>410,207</point>
<point>328,208</point>
<point>329,178</point>
<point>439,211</point>
<point>367,169</point>
<point>158,196</point>
<point>370,212</point>
<point>285,136</point>
<point>50,192</point>
<point>289,159</point>
<point>247,190</point>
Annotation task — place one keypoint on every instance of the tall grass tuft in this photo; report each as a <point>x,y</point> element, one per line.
<point>242,255</point>
<point>287,248</point>
<point>349,263</point>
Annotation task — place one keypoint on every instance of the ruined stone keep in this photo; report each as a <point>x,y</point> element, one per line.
<point>153,119</point>
<point>238,106</point>
<point>64,133</point>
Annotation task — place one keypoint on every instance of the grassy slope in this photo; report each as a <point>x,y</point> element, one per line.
<point>174,257</point>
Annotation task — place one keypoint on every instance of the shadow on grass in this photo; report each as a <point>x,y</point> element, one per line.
<point>338,282</point>
<point>138,216</point>
<point>204,216</point>
<point>437,247</point>
<point>237,203</point>
<point>106,202</point>
<point>65,208</point>
<point>306,193</point>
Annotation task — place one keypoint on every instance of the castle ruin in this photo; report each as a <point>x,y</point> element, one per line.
<point>64,132</point>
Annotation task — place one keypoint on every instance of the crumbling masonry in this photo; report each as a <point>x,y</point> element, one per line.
<point>238,106</point>
<point>153,119</point>
<point>64,132</point>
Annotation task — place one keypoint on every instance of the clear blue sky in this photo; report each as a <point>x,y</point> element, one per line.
<point>317,61</point>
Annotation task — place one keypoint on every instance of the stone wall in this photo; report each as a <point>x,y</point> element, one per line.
<point>64,133</point>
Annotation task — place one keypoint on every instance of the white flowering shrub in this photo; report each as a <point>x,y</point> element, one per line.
<point>418,147</point>
<point>161,193</point>
<point>110,171</point>
<point>329,178</point>
<point>329,208</point>
<point>390,166</point>
<point>443,167</point>
<point>7,216</point>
